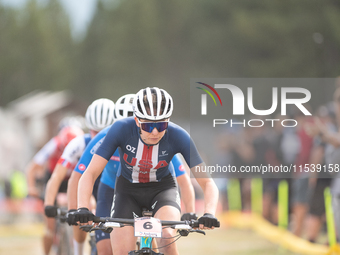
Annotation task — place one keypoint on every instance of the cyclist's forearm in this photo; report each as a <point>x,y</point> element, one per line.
<point>86,182</point>
<point>211,194</point>
<point>188,198</point>
<point>50,193</point>
<point>187,193</point>
<point>54,183</point>
<point>31,173</point>
<point>210,197</point>
<point>85,188</point>
<point>72,190</point>
<point>209,188</point>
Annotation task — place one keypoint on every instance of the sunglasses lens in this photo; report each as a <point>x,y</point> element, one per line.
<point>162,126</point>
<point>149,126</point>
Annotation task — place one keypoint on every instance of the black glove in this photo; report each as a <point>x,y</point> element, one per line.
<point>70,217</point>
<point>189,216</point>
<point>83,215</point>
<point>209,220</point>
<point>51,211</point>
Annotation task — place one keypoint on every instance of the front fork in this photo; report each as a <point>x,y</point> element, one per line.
<point>145,242</point>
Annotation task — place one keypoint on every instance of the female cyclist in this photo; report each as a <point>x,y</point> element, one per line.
<point>146,145</point>
<point>99,115</point>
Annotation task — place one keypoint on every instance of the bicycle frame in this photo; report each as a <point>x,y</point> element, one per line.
<point>145,242</point>
<point>145,247</point>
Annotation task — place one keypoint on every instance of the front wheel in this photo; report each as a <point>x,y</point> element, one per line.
<point>64,239</point>
<point>93,244</point>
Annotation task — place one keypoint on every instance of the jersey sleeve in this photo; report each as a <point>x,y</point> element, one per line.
<point>186,146</point>
<point>45,152</point>
<point>72,151</point>
<point>89,151</point>
<point>178,165</point>
<point>111,141</point>
<point>110,171</point>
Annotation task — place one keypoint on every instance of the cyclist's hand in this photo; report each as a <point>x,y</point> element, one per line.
<point>83,215</point>
<point>70,217</point>
<point>51,211</point>
<point>189,216</point>
<point>208,221</point>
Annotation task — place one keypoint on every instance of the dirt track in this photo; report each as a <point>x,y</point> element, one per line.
<point>25,239</point>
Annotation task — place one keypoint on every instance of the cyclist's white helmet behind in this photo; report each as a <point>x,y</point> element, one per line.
<point>100,114</point>
<point>123,107</point>
<point>74,121</point>
<point>152,104</point>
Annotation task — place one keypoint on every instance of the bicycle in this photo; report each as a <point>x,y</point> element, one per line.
<point>62,243</point>
<point>63,237</point>
<point>147,228</point>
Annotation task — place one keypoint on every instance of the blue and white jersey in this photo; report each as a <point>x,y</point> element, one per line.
<point>178,165</point>
<point>142,163</point>
<point>109,174</point>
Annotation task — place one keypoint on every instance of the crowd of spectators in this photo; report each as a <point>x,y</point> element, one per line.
<point>311,150</point>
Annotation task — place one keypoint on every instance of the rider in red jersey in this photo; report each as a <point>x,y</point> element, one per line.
<point>46,159</point>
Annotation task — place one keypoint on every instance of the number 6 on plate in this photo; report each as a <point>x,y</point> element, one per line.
<point>148,227</point>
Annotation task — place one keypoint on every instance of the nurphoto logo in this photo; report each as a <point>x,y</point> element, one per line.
<point>238,107</point>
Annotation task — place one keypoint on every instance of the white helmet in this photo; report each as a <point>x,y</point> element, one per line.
<point>75,121</point>
<point>152,104</point>
<point>123,107</point>
<point>99,114</point>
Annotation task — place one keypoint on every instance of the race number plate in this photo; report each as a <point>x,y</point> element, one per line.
<point>148,227</point>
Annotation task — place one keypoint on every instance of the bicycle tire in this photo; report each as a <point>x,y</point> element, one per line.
<point>64,239</point>
<point>93,244</point>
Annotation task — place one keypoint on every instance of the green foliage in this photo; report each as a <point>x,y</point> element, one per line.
<point>36,50</point>
<point>131,44</point>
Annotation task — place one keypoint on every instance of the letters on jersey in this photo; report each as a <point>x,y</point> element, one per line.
<point>145,163</point>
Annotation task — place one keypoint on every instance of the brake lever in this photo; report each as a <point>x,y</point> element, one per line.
<point>89,228</point>
<point>86,228</point>
<point>199,231</point>
<point>107,230</point>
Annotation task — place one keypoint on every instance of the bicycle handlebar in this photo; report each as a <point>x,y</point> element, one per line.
<point>107,224</point>
<point>191,223</point>
<point>62,214</point>
<point>109,228</point>
<point>61,211</point>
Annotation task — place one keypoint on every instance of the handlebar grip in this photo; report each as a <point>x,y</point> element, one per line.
<point>97,219</point>
<point>194,224</point>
